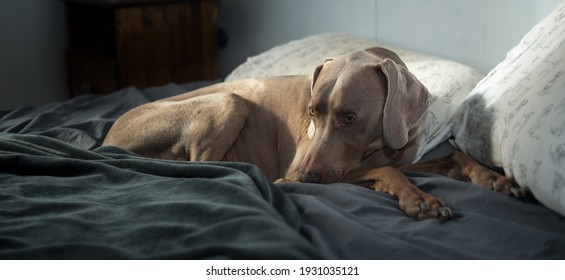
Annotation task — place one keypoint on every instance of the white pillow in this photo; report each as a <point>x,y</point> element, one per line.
<point>515,117</point>
<point>448,82</point>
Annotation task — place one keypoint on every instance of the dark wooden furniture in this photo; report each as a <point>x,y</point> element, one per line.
<point>118,43</point>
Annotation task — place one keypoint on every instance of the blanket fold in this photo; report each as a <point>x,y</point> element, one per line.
<point>58,201</point>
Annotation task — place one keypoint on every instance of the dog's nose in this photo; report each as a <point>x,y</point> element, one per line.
<point>310,177</point>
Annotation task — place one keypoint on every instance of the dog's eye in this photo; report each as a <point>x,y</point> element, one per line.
<point>349,119</point>
<point>346,119</point>
<point>311,111</point>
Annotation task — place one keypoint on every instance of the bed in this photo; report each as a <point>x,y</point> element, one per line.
<point>63,196</point>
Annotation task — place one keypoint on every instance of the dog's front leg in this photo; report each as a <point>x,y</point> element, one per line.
<point>462,167</point>
<point>413,201</point>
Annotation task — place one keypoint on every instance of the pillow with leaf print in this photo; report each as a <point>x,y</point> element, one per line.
<point>515,118</point>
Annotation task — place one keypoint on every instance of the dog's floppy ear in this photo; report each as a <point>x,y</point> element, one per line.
<point>317,73</point>
<point>406,103</point>
<point>384,53</point>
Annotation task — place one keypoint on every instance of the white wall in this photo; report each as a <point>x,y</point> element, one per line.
<point>257,25</point>
<point>474,32</point>
<point>32,69</point>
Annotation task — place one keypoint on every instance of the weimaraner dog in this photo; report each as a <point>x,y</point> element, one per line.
<point>356,120</point>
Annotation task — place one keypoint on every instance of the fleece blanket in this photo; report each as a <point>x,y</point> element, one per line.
<point>58,201</point>
<point>84,120</point>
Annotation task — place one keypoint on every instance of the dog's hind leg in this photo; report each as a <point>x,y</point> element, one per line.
<point>462,167</point>
<point>202,128</point>
<point>412,201</point>
<point>213,126</point>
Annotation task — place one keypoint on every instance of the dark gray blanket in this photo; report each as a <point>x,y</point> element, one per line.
<point>63,197</point>
<point>84,120</point>
<point>62,202</point>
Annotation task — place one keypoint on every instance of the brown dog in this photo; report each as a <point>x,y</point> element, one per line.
<point>356,120</point>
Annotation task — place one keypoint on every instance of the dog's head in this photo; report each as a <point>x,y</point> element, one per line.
<point>365,107</point>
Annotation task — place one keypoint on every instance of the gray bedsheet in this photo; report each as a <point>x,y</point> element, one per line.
<point>84,206</point>
<point>350,222</point>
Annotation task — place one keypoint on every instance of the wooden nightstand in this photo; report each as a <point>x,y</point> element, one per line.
<point>118,43</point>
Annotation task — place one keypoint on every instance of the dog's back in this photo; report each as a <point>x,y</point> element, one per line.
<point>259,121</point>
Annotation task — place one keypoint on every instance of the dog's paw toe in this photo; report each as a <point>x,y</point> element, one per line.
<point>441,213</point>
<point>496,182</point>
<point>444,213</point>
<point>501,184</point>
<point>518,192</point>
<point>428,207</point>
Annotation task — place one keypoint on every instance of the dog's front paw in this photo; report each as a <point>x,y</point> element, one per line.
<point>425,206</point>
<point>493,180</point>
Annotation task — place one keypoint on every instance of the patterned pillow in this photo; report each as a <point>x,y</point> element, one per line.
<point>448,82</point>
<point>515,118</point>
